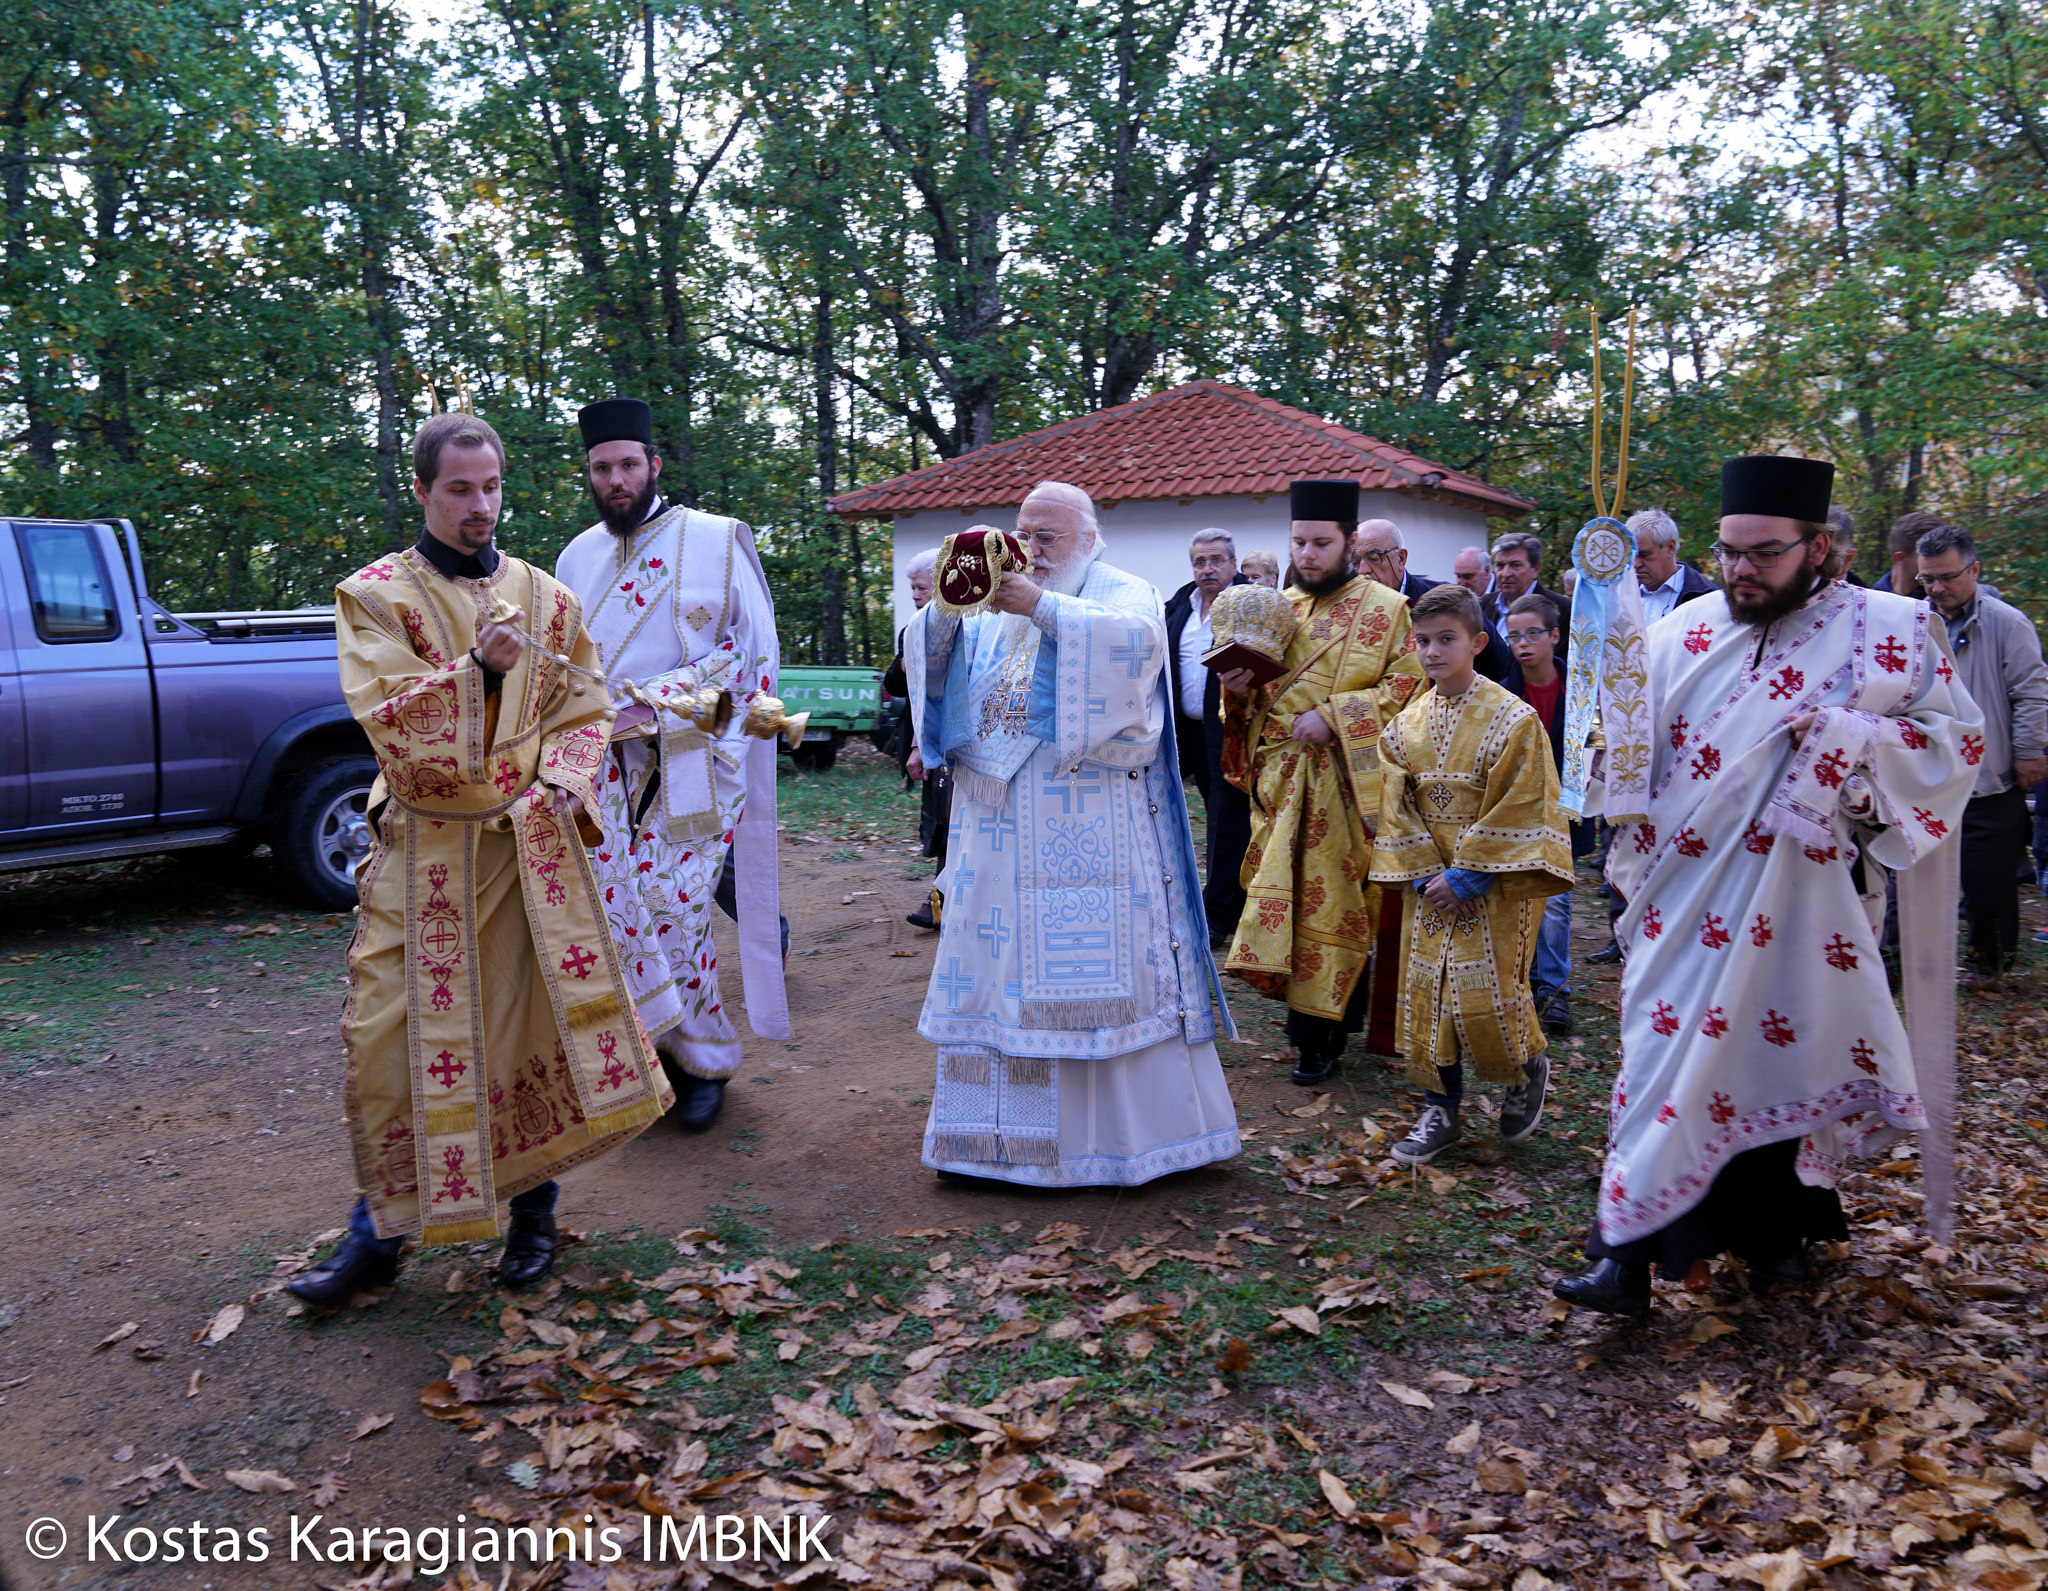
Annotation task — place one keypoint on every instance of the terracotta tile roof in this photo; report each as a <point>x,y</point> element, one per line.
<point>1204,439</point>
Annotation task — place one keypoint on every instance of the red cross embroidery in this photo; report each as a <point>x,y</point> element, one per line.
<point>1831,769</point>
<point>1666,1113</point>
<point>1712,934</point>
<point>1617,1193</point>
<point>1789,683</point>
<point>1689,843</point>
<point>1756,841</point>
<point>1664,1019</point>
<point>1653,923</point>
<point>455,1183</point>
<point>1722,1110</point>
<point>1707,763</point>
<point>1891,657</point>
<point>440,937</point>
<point>1714,1023</point>
<point>1760,931</point>
<point>1973,749</point>
<point>1815,854</point>
<point>1697,639</point>
<point>1915,741</point>
<point>1864,1056</point>
<point>1678,728</point>
<point>1777,1029</point>
<point>1928,821</point>
<point>1946,673</point>
<point>578,962</point>
<point>1841,954</point>
<point>377,571</point>
<point>1646,838</point>
<point>446,1069</point>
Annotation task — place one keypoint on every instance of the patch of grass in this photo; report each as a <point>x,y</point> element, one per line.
<point>858,798</point>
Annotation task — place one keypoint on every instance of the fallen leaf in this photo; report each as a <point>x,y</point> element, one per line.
<point>192,1386</point>
<point>1302,1318</point>
<point>852,1090</point>
<point>369,1423</point>
<point>327,1488</point>
<point>1237,1355</point>
<point>223,1325</point>
<point>123,1453</point>
<point>1502,1476</point>
<point>1465,1443</point>
<point>1337,1495</point>
<point>1322,1103</point>
<point>1449,1381</point>
<point>259,1480</point>
<point>1708,1327</point>
<point>1440,1182</point>
<point>1708,1404</point>
<point>120,1333</point>
<point>1407,1395</point>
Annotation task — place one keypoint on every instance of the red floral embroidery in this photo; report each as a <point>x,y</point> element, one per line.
<point>1864,1056</point>
<point>1972,748</point>
<point>1689,843</point>
<point>1777,1029</point>
<point>1712,934</point>
<point>1916,741</point>
<point>1707,763</point>
<point>1890,655</point>
<point>1831,769</point>
<point>1756,841</point>
<point>1714,1023</point>
<point>1722,1110</point>
<point>1665,1112</point>
<point>1928,821</point>
<point>455,1183</point>
<point>1664,1019</point>
<point>1653,923</point>
<point>1698,639</point>
<point>1841,954</point>
<point>1814,853</point>
<point>1789,682</point>
<point>1760,931</point>
<point>1678,728</point>
<point>1646,838</point>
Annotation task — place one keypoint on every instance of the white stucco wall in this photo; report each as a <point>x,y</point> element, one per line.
<point>1151,538</point>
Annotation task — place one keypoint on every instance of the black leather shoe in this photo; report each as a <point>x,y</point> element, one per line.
<point>529,1250</point>
<point>1613,1287</point>
<point>1606,955</point>
<point>1787,1271</point>
<point>353,1267</point>
<point>1311,1070</point>
<point>699,1100</point>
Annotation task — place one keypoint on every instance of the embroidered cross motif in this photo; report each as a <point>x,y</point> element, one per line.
<point>1665,1112</point>
<point>998,826</point>
<point>1790,682</point>
<point>1864,1056</point>
<point>698,617</point>
<point>1972,748</point>
<point>1646,838</point>
<point>1830,770</point>
<point>1073,789</point>
<point>377,571</point>
<point>1714,1023</point>
<point>1664,1019</point>
<point>1891,657</point>
<point>1841,954</point>
<point>446,1069</point>
<point>1814,853</point>
<point>1712,934</point>
<point>455,1183</point>
<point>1760,931</point>
<point>1722,1110</point>
<point>1697,639</point>
<point>1653,923</point>
<point>1777,1029</point>
<point>1689,843</point>
<point>1707,763</point>
<point>578,962</point>
<point>953,983</point>
<point>441,937</point>
<point>1134,654</point>
<point>1678,728</point>
<point>1942,668</point>
<point>1915,741</point>
<point>993,934</point>
<point>616,1071</point>
<point>1928,821</point>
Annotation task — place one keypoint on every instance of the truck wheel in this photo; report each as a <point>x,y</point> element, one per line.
<point>815,756</point>
<point>322,833</point>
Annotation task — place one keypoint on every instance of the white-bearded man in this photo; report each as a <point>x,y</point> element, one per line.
<point>676,600</point>
<point>1073,999</point>
<point>1807,734</point>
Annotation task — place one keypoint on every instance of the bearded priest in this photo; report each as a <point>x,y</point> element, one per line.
<point>1809,735</point>
<point>490,1040</point>
<point>1073,999</point>
<point>1305,746</point>
<point>678,605</point>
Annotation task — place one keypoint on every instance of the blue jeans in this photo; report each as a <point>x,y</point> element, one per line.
<point>1553,968</point>
<point>534,1201</point>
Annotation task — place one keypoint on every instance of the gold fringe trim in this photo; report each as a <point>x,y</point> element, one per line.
<point>1079,1015</point>
<point>451,1118</point>
<point>1029,1071</point>
<point>591,1012</point>
<point>1031,1151</point>
<point>984,1147</point>
<point>628,1116</point>
<point>477,1231</point>
<point>967,1069</point>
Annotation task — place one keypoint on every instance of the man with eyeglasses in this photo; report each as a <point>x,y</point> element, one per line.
<point>1380,552</point>
<point>1998,654</point>
<point>1809,734</point>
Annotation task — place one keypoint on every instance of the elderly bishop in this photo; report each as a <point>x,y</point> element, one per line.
<point>1073,1001</point>
<point>678,605</point>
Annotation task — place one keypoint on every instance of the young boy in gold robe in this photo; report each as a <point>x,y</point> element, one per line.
<point>1470,831</point>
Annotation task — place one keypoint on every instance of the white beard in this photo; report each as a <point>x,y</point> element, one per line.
<point>1067,579</point>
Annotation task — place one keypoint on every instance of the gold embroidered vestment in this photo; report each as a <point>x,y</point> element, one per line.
<point>489,1041</point>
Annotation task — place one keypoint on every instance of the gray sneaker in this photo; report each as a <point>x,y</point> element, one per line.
<point>1435,1132</point>
<point>1521,1107</point>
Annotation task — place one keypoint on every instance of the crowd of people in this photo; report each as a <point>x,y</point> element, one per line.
<point>575,767</point>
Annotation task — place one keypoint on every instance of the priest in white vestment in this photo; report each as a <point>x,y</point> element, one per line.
<point>676,601</point>
<point>1809,734</point>
<point>1073,999</point>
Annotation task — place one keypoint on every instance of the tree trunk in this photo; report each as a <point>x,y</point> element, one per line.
<point>39,434</point>
<point>831,573</point>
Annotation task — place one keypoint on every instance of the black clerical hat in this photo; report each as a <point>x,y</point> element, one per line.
<point>1779,486</point>
<point>616,420</point>
<point>1336,500</point>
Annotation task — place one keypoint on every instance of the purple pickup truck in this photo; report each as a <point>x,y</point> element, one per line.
<point>126,729</point>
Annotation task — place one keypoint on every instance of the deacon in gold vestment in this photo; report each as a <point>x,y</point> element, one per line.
<point>1470,833</point>
<point>491,1042</point>
<point>1306,749</point>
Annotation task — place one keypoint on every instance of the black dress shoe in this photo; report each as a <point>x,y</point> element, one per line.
<point>1613,1287</point>
<point>1606,955</point>
<point>1787,1271</point>
<point>529,1250</point>
<point>699,1100</point>
<point>1311,1070</point>
<point>354,1266</point>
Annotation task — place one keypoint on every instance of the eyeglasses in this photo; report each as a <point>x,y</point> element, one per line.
<point>1526,635</point>
<point>1757,557</point>
<point>1379,555</point>
<point>1942,582</point>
